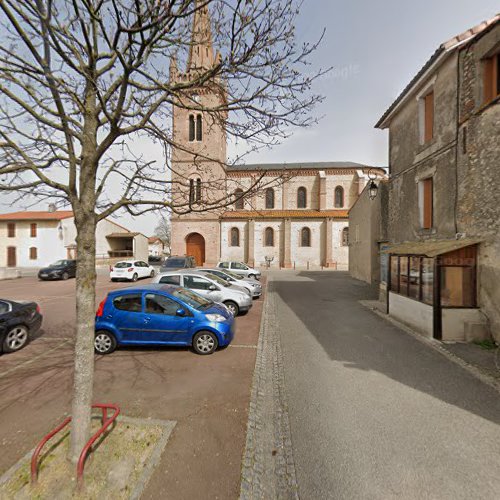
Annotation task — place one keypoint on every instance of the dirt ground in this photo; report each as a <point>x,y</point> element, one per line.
<point>207,396</point>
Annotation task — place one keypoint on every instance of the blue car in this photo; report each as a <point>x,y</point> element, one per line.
<point>161,315</point>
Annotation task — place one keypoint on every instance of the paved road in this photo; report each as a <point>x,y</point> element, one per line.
<point>374,413</point>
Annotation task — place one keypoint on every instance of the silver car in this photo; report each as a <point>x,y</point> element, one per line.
<point>253,286</point>
<point>236,299</point>
<point>239,268</point>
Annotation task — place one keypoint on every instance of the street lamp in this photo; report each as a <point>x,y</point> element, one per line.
<point>372,187</point>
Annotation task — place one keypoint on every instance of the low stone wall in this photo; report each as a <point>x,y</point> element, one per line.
<point>8,273</point>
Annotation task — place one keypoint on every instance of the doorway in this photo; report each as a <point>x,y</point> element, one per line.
<point>195,246</point>
<point>11,257</point>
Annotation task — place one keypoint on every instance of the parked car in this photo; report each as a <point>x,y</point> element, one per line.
<point>235,298</point>
<point>59,270</point>
<point>18,321</point>
<point>178,262</point>
<point>154,259</point>
<point>240,268</point>
<point>131,270</point>
<point>161,315</point>
<point>253,286</point>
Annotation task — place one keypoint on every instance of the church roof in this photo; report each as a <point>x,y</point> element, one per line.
<point>320,165</point>
<point>286,214</point>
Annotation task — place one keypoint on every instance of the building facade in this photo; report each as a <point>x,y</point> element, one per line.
<point>444,190</point>
<point>38,238</point>
<point>299,218</point>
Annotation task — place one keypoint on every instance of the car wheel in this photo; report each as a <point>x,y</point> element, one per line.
<point>205,343</point>
<point>152,275</point>
<point>104,342</point>
<point>134,277</point>
<point>233,307</point>
<point>114,279</point>
<point>65,276</point>
<point>16,338</point>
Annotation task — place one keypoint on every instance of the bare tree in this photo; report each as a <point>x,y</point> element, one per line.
<point>163,231</point>
<point>81,80</point>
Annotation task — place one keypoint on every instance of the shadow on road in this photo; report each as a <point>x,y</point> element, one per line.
<point>327,304</point>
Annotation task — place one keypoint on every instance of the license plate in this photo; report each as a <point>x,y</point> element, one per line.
<point>119,272</point>
<point>43,275</point>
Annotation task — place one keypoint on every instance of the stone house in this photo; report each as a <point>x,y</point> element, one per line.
<point>156,247</point>
<point>444,190</point>
<point>298,219</point>
<point>38,238</point>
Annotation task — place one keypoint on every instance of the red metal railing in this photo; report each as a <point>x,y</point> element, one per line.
<point>105,423</point>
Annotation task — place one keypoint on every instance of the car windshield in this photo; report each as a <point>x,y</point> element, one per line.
<point>122,265</point>
<point>58,263</point>
<point>190,298</point>
<point>174,263</point>
<point>218,280</point>
<point>232,275</point>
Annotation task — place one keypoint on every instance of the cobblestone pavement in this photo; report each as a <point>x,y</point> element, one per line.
<point>268,467</point>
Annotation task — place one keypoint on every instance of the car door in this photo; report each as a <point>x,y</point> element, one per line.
<point>72,268</point>
<point>239,268</point>
<point>139,269</point>
<point>203,286</point>
<point>127,317</point>
<point>162,323</point>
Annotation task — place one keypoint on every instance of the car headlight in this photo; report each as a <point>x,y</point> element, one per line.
<point>216,318</point>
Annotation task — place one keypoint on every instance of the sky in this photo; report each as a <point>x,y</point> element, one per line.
<point>375,47</point>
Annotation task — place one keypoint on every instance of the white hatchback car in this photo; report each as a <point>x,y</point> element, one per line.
<point>131,270</point>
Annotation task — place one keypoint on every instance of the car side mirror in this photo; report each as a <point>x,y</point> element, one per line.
<point>212,288</point>
<point>180,312</point>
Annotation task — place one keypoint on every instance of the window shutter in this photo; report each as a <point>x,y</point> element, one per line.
<point>427,220</point>
<point>429,117</point>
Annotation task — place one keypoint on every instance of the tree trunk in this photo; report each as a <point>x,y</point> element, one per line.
<point>84,347</point>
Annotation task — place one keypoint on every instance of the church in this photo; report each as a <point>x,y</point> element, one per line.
<point>298,219</point>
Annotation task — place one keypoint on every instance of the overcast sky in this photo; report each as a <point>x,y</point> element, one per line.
<point>375,47</point>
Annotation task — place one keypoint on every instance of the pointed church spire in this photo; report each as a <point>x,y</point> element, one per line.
<point>201,50</point>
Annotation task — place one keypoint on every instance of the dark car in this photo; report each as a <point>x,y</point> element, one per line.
<point>18,321</point>
<point>161,315</point>
<point>178,262</point>
<point>59,270</point>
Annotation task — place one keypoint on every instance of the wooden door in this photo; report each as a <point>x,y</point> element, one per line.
<point>11,257</point>
<point>195,246</point>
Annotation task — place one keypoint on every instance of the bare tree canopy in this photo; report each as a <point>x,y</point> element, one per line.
<point>81,80</point>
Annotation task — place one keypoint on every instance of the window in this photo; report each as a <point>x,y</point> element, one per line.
<point>427,280</point>
<point>339,197</point>
<point>33,253</point>
<point>199,128</point>
<point>4,307</point>
<point>458,278</point>
<point>33,230</point>
<point>11,230</point>
<point>191,128</point>
<point>224,265</point>
<point>305,237</point>
<point>198,190</point>
<point>130,303</point>
<point>491,78</point>
<point>191,192</point>
<point>197,283</point>
<point>269,237</point>
<point>159,304</point>
<point>238,265</point>
<point>425,202</point>
<point>269,198</point>
<point>171,280</point>
<point>235,237</point>
<point>428,116</point>
<point>345,236</point>
<point>239,204</point>
<point>301,197</point>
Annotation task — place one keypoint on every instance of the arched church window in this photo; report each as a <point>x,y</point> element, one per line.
<point>305,237</point>
<point>301,197</point>
<point>198,190</point>
<point>345,236</point>
<point>269,237</point>
<point>239,203</point>
<point>339,197</point>
<point>199,128</point>
<point>235,237</point>
<point>191,128</point>
<point>269,198</point>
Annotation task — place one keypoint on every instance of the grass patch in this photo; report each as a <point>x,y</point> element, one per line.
<point>112,470</point>
<point>487,344</point>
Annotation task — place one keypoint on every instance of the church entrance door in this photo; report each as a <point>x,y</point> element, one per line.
<point>195,246</point>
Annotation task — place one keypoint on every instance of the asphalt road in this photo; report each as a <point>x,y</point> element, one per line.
<point>374,413</point>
